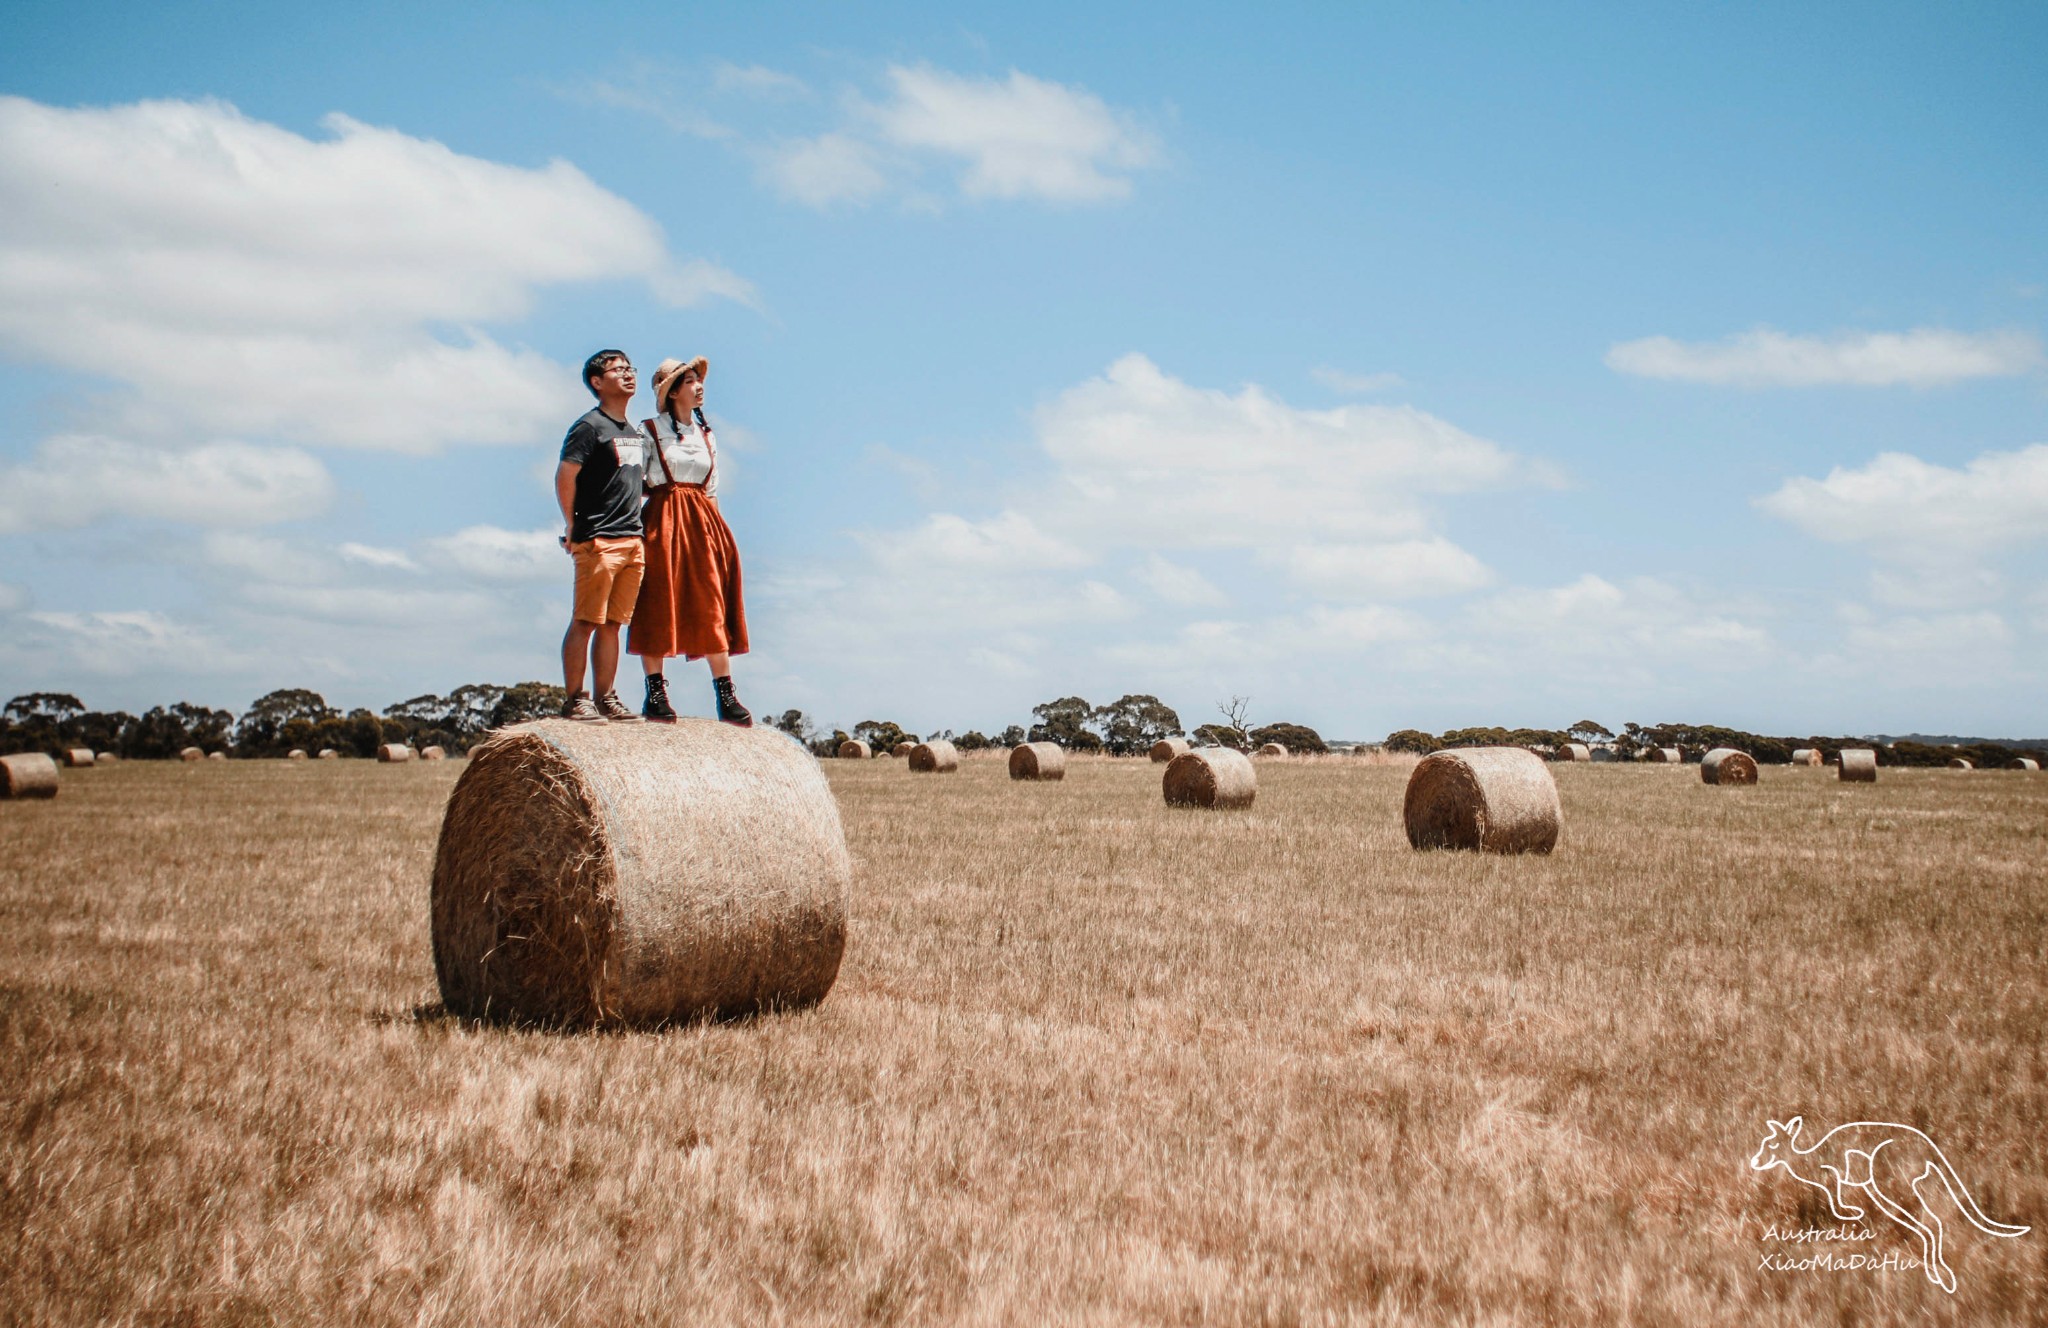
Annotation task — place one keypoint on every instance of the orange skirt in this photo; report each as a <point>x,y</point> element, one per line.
<point>690,596</point>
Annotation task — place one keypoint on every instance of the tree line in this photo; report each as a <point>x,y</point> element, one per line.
<point>1695,740</point>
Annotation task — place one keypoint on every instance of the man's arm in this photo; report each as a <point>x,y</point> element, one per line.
<point>565,494</point>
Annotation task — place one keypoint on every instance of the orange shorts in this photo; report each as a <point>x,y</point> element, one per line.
<point>608,575</point>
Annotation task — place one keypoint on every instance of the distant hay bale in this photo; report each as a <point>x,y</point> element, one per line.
<point>1665,756</point>
<point>1216,778</point>
<point>638,874</point>
<point>295,754</point>
<point>936,757</point>
<point>394,753</point>
<point>1167,748</point>
<point>106,758</point>
<point>1575,751</point>
<point>78,758</point>
<point>329,754</point>
<point>853,749</point>
<point>1859,765</point>
<point>1271,749</point>
<point>904,748</point>
<point>1725,765</point>
<point>1806,756</point>
<point>191,754</point>
<point>1038,760</point>
<point>28,775</point>
<point>433,754</point>
<point>216,756</point>
<point>2024,763</point>
<point>1961,763</point>
<point>1603,754</point>
<point>1496,799</point>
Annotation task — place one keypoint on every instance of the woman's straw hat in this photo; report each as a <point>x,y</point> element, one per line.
<point>671,372</point>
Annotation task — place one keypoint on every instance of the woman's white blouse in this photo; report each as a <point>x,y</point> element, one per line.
<point>688,453</point>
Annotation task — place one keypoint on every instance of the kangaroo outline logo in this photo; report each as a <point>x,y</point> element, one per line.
<point>1870,1155</point>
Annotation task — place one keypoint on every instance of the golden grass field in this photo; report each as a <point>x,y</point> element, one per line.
<point>1089,1060</point>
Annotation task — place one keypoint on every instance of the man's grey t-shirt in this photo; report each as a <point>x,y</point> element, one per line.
<point>612,454</point>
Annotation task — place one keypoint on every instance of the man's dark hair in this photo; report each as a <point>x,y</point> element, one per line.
<point>600,362</point>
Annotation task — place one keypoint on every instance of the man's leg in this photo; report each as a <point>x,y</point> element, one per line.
<point>604,656</point>
<point>576,650</point>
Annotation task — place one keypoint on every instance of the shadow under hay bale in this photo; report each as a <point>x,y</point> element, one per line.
<point>1858,766</point>
<point>638,874</point>
<point>394,753</point>
<point>853,749</point>
<point>1575,751</point>
<point>936,757</point>
<point>1215,778</point>
<point>1167,748</point>
<point>28,775</point>
<point>1038,760</point>
<point>78,758</point>
<point>1725,765</point>
<point>1495,799</point>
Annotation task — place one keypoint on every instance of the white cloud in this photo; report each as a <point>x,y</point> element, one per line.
<point>1020,137</point>
<point>13,598</point>
<point>240,278</point>
<point>830,168</point>
<point>1178,585</point>
<point>1397,570</point>
<point>74,480</point>
<point>1360,384</point>
<point>123,644</point>
<point>1766,357</point>
<point>490,553</point>
<point>1008,543</point>
<point>1998,498</point>
<point>1640,623</point>
<point>426,610</point>
<point>370,555</point>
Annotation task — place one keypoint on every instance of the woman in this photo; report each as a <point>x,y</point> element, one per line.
<point>690,596</point>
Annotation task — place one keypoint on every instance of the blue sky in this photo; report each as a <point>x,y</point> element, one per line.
<point>1393,366</point>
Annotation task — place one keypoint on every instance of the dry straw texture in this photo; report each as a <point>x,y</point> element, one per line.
<point>1219,778</point>
<point>1859,765</point>
<point>296,754</point>
<point>191,754</point>
<point>2025,763</point>
<point>106,758</point>
<point>28,775</point>
<point>78,758</point>
<point>1167,748</point>
<point>433,754</point>
<point>934,758</point>
<point>1038,760</point>
<point>904,748</point>
<point>1725,765</point>
<point>329,754</point>
<point>1806,756</point>
<point>394,753</point>
<point>1575,751</point>
<point>1497,799</point>
<point>853,749</point>
<point>638,874</point>
<point>1961,763</point>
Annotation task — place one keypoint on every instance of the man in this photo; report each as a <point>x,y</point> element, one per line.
<point>598,485</point>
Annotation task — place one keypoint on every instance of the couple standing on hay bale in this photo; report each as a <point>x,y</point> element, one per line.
<point>640,511</point>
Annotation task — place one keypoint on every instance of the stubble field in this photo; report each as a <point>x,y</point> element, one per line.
<point>1089,1060</point>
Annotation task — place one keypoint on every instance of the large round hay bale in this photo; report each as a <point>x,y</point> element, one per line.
<point>1575,751</point>
<point>106,758</point>
<point>1219,778</point>
<point>78,758</point>
<point>1038,760</point>
<point>1961,763</point>
<point>1806,756</point>
<point>936,757</point>
<point>853,749</point>
<point>1665,756</point>
<point>638,873</point>
<point>192,754</point>
<point>1498,799</point>
<point>28,775</point>
<point>1725,765</point>
<point>1271,749</point>
<point>329,754</point>
<point>295,754</point>
<point>2024,763</point>
<point>1859,765</point>
<point>904,748</point>
<point>394,753</point>
<point>433,754</point>
<point>216,756</point>
<point>1167,748</point>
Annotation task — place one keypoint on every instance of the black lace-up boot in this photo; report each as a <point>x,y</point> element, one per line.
<point>656,707</point>
<point>730,711</point>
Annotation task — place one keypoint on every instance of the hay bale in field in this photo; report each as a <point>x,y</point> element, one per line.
<point>433,754</point>
<point>106,758</point>
<point>28,775</point>
<point>936,757</point>
<point>394,753</point>
<point>191,754</point>
<point>1725,765</point>
<point>853,749</point>
<point>329,754</point>
<point>638,873</point>
<point>1218,778</point>
<point>1603,754</point>
<point>1575,751</point>
<point>216,756</point>
<point>1271,749</point>
<point>1806,756</point>
<point>78,758</point>
<point>904,748</point>
<point>1167,748</point>
<point>1859,766</point>
<point>1664,756</point>
<point>1961,763</point>
<point>295,754</point>
<point>2024,763</point>
<point>1038,760</point>
<point>1498,799</point>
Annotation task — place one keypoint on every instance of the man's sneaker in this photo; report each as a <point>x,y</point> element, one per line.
<point>730,711</point>
<point>579,707</point>
<point>612,708</point>
<point>656,706</point>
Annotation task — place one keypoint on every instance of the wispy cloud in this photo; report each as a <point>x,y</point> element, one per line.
<point>1766,357</point>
